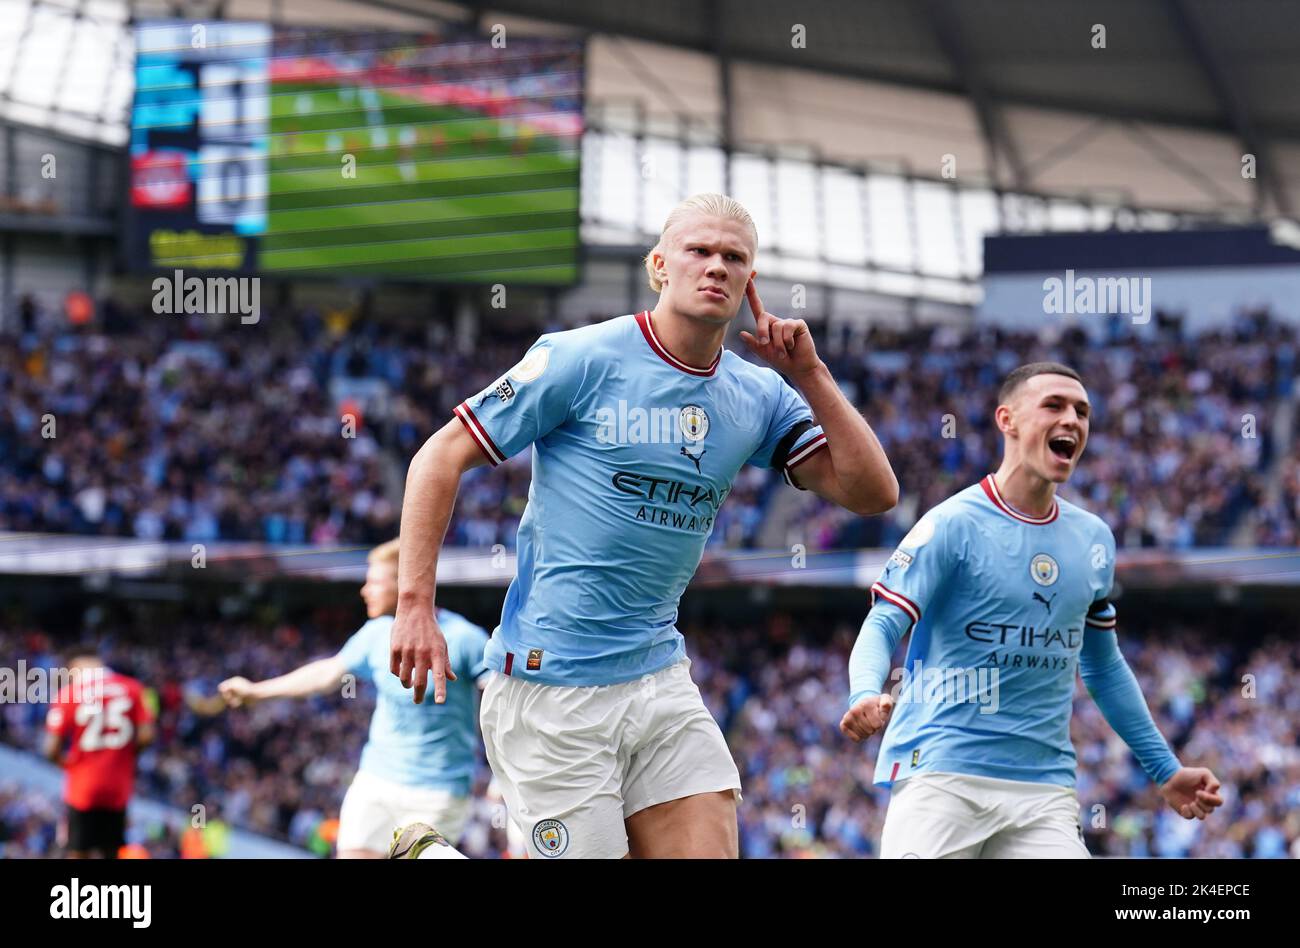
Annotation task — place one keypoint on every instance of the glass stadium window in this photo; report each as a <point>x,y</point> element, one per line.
<point>704,169</point>
<point>120,88</point>
<point>66,65</point>
<point>1024,213</point>
<point>93,51</point>
<point>842,212</point>
<point>1068,215</point>
<point>618,170</point>
<point>891,222</point>
<point>895,284</point>
<point>592,143</point>
<point>661,174</point>
<point>751,185</point>
<point>936,221</point>
<point>947,291</point>
<point>979,217</point>
<point>42,53</point>
<point>798,214</point>
<point>1157,220</point>
<point>1103,216</point>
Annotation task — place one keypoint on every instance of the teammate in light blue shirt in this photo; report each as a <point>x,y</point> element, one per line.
<point>1004,587</point>
<point>418,762</point>
<point>638,425</point>
<point>420,745</point>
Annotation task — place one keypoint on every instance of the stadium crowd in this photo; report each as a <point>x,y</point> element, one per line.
<point>1180,439</point>
<point>179,428</point>
<point>1277,520</point>
<point>281,768</point>
<point>183,436</point>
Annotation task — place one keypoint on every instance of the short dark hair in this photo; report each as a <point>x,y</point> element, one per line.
<point>1020,376</point>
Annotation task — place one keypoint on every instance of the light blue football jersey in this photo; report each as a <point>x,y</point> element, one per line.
<point>424,745</point>
<point>633,452</point>
<point>999,604</point>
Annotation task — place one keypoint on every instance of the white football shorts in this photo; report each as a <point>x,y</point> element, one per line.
<point>957,816</point>
<point>574,762</point>
<point>373,807</point>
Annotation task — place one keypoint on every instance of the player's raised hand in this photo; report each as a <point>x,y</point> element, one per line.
<point>1193,792</point>
<point>868,716</point>
<point>237,692</point>
<point>784,344</point>
<point>417,647</point>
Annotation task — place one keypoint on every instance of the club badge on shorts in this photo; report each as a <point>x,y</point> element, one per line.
<point>551,838</point>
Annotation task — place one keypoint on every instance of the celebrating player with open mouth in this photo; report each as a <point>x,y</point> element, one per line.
<point>1005,588</point>
<point>600,740</point>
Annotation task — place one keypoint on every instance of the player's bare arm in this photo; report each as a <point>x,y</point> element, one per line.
<point>310,679</point>
<point>417,644</point>
<point>853,472</point>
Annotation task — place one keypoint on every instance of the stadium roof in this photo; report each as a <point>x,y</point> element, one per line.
<point>1022,92</point>
<point>1203,63</point>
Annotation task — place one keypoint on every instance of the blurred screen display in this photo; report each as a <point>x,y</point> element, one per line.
<point>321,153</point>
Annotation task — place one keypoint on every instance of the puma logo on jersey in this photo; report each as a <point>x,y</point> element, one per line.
<point>695,458</point>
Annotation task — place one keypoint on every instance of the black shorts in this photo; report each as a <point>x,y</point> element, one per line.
<point>102,830</point>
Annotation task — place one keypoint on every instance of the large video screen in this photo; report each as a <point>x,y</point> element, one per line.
<point>269,149</point>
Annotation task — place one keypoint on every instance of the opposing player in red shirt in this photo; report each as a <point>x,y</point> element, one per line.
<point>102,720</point>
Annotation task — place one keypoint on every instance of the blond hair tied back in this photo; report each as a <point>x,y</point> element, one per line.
<point>708,203</point>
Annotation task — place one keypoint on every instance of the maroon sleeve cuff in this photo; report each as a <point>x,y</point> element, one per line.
<point>478,433</point>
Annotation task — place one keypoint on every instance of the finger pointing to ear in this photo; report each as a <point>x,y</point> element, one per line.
<point>762,318</point>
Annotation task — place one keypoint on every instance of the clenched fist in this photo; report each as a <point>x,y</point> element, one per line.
<point>237,692</point>
<point>868,716</point>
